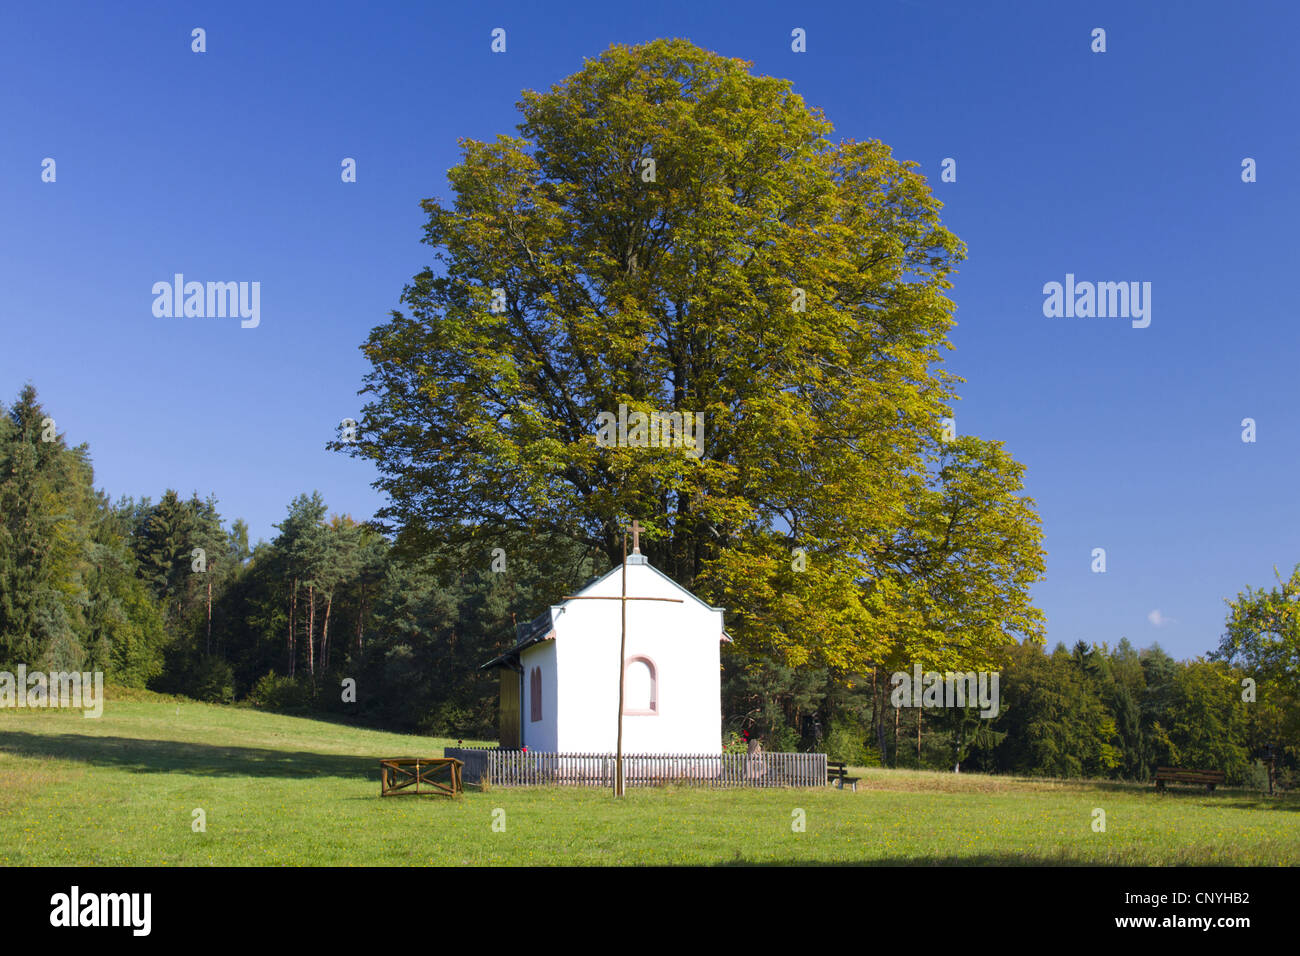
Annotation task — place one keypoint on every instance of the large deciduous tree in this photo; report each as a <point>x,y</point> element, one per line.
<point>670,233</point>
<point>1262,636</point>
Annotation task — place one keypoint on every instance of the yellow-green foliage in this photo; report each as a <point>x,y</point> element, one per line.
<point>787,286</point>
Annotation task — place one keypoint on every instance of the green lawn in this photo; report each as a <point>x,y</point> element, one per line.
<point>120,790</point>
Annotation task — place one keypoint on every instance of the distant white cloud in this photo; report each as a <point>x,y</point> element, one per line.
<point>1159,620</point>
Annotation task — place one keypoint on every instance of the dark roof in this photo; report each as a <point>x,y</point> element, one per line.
<point>526,635</point>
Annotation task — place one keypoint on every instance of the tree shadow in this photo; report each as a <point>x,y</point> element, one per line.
<point>170,756</point>
<point>1266,803</point>
<point>982,859</point>
<point>1183,792</point>
<point>1126,787</point>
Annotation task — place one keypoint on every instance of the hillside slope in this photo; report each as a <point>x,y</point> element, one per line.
<point>123,790</point>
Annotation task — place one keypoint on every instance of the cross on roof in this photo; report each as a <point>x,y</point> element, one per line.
<point>636,536</point>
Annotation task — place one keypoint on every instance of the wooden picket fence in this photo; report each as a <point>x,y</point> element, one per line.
<point>520,768</point>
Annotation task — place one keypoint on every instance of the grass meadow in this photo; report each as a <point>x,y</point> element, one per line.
<point>278,790</point>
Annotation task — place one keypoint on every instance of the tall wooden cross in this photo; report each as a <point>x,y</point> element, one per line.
<point>622,645</point>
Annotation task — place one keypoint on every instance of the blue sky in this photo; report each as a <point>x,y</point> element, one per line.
<point>1115,166</point>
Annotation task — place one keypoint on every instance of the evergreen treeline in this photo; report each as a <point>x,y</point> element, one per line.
<point>167,595</point>
<point>163,594</point>
<point>1089,711</point>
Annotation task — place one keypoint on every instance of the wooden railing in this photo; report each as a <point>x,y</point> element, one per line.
<point>520,768</point>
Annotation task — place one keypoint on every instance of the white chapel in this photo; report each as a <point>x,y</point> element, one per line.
<point>559,682</point>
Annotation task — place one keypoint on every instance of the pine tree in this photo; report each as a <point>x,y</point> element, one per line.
<point>46,508</point>
<point>300,549</point>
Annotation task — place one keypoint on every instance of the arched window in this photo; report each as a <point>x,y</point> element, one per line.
<point>640,687</point>
<point>535,694</point>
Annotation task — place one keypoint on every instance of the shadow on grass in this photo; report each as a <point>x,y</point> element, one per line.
<point>982,859</point>
<point>1265,802</point>
<point>1217,797</point>
<point>1236,798</point>
<point>358,723</point>
<point>170,756</point>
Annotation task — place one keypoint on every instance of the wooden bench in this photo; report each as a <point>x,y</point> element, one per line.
<point>838,771</point>
<point>1210,778</point>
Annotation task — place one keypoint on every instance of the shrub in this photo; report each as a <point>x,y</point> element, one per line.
<point>847,741</point>
<point>212,680</point>
<point>284,695</point>
<point>450,719</point>
<point>734,743</point>
<point>781,738</point>
<point>1256,777</point>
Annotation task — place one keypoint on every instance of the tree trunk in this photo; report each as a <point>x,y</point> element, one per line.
<point>325,635</point>
<point>961,741</point>
<point>311,630</point>
<point>361,614</point>
<point>208,644</point>
<point>293,613</point>
<point>919,711</point>
<point>878,706</point>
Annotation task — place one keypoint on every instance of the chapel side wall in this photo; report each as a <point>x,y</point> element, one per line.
<point>541,735</point>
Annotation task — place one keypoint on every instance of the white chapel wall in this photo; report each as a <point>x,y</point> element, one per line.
<point>682,640</point>
<point>540,735</point>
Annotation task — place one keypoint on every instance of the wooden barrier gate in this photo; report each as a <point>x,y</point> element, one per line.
<point>399,774</point>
